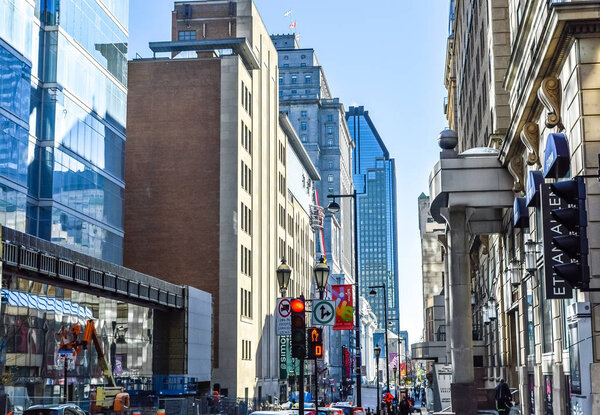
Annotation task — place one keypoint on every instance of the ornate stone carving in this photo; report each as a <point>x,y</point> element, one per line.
<point>530,136</point>
<point>550,95</point>
<point>515,167</point>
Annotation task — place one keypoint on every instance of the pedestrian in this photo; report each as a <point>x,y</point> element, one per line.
<point>404,406</point>
<point>503,397</point>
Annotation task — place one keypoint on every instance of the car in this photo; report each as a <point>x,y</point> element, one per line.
<point>62,409</point>
<point>349,409</point>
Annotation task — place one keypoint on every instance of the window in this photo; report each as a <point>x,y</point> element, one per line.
<point>307,79</point>
<point>285,57</point>
<point>186,35</point>
<point>307,91</point>
<point>303,138</point>
<point>303,64</point>
<point>294,79</point>
<point>303,113</point>
<point>281,80</point>
<point>330,118</point>
<point>294,92</point>
<point>329,129</point>
<point>330,142</point>
<point>280,93</point>
<point>303,126</point>
<point>303,57</point>
<point>330,190</point>
<point>330,178</point>
<point>330,164</point>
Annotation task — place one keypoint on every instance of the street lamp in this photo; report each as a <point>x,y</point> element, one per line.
<point>373,293</point>
<point>514,271</point>
<point>283,276</point>
<point>531,253</point>
<point>377,351</point>
<point>334,208</point>
<point>321,272</point>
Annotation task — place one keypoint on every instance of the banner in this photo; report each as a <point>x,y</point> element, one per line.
<point>402,369</point>
<point>393,360</point>
<point>344,310</point>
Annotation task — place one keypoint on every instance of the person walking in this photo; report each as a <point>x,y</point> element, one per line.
<point>404,406</point>
<point>503,397</point>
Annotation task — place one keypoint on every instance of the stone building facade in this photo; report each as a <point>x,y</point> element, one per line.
<point>542,58</point>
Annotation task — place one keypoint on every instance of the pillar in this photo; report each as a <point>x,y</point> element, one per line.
<point>464,399</point>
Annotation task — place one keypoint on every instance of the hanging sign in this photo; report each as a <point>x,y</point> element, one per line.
<point>344,309</point>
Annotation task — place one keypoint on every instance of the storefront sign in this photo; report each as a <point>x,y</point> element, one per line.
<point>574,361</point>
<point>520,213</point>
<point>548,397</point>
<point>531,381</point>
<point>441,392</point>
<point>284,357</point>
<point>556,156</point>
<point>534,180</point>
<point>344,310</point>
<point>556,287</point>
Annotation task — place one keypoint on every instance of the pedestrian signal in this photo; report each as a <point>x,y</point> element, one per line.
<point>315,343</point>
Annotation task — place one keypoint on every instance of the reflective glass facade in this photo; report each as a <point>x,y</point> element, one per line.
<point>63,96</point>
<point>377,245</point>
<point>34,320</point>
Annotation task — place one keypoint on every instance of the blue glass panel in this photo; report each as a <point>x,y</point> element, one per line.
<point>13,205</point>
<point>15,81</point>
<point>13,151</point>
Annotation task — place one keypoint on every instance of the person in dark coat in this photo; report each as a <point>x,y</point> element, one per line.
<point>404,406</point>
<point>503,397</point>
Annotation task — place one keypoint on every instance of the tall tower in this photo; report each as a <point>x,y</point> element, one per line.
<point>374,174</point>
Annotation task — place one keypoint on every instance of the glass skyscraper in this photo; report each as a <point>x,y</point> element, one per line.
<point>374,173</point>
<point>63,91</point>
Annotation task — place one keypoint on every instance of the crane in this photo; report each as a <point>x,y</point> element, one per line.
<point>111,397</point>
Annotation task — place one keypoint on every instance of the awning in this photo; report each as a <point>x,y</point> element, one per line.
<point>520,213</point>
<point>534,179</point>
<point>556,156</point>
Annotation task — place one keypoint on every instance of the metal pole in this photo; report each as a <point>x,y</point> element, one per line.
<point>377,377</point>
<point>301,388</point>
<point>316,386</point>
<point>65,379</point>
<point>387,350</point>
<point>357,305</point>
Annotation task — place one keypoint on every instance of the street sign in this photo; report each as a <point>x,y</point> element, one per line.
<point>323,312</point>
<point>284,321</point>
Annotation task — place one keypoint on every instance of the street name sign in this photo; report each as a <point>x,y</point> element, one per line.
<point>284,320</point>
<point>323,312</point>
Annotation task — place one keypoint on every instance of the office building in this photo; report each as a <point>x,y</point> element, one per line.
<point>374,174</point>
<point>207,175</point>
<point>64,91</point>
<point>530,66</point>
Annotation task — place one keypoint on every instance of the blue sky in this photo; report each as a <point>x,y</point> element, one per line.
<point>387,55</point>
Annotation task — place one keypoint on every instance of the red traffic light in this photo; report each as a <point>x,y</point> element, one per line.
<point>297,306</point>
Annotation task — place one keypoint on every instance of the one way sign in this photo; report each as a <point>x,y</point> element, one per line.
<point>323,312</point>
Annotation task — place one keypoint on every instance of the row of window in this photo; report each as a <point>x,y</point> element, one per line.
<point>287,65</point>
<point>246,177</point>
<point>281,184</point>
<point>245,261</point>
<point>286,57</point>
<point>246,218</point>
<point>294,79</point>
<point>245,303</point>
<point>246,350</point>
<point>246,137</point>
<point>246,96</point>
<point>281,153</point>
<point>294,92</point>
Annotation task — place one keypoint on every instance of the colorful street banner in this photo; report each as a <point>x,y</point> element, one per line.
<point>344,310</point>
<point>394,360</point>
<point>402,369</point>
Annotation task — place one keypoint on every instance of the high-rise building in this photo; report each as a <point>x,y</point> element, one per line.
<point>375,176</point>
<point>208,186</point>
<point>63,91</point>
<point>318,118</point>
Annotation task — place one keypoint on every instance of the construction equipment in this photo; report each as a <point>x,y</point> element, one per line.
<point>111,397</point>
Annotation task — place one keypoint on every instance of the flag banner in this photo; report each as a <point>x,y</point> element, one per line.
<point>402,369</point>
<point>344,307</point>
<point>287,13</point>
<point>393,360</point>
<point>293,25</point>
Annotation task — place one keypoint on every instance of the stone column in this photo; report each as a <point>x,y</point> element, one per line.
<point>464,399</point>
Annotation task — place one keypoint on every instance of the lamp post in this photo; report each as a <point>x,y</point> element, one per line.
<point>377,351</point>
<point>321,272</point>
<point>283,276</point>
<point>387,360</point>
<point>335,208</point>
<point>531,254</point>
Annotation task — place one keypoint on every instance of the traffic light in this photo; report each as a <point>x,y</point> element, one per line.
<point>298,328</point>
<point>315,343</point>
<point>575,270</point>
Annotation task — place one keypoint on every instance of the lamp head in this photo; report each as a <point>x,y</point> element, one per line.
<point>283,276</point>
<point>333,207</point>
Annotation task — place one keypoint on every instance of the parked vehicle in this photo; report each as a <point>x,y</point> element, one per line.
<point>349,409</point>
<point>63,409</point>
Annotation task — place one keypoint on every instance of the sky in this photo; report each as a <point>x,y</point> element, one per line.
<point>387,55</point>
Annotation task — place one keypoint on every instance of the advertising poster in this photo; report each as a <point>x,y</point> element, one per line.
<point>344,307</point>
